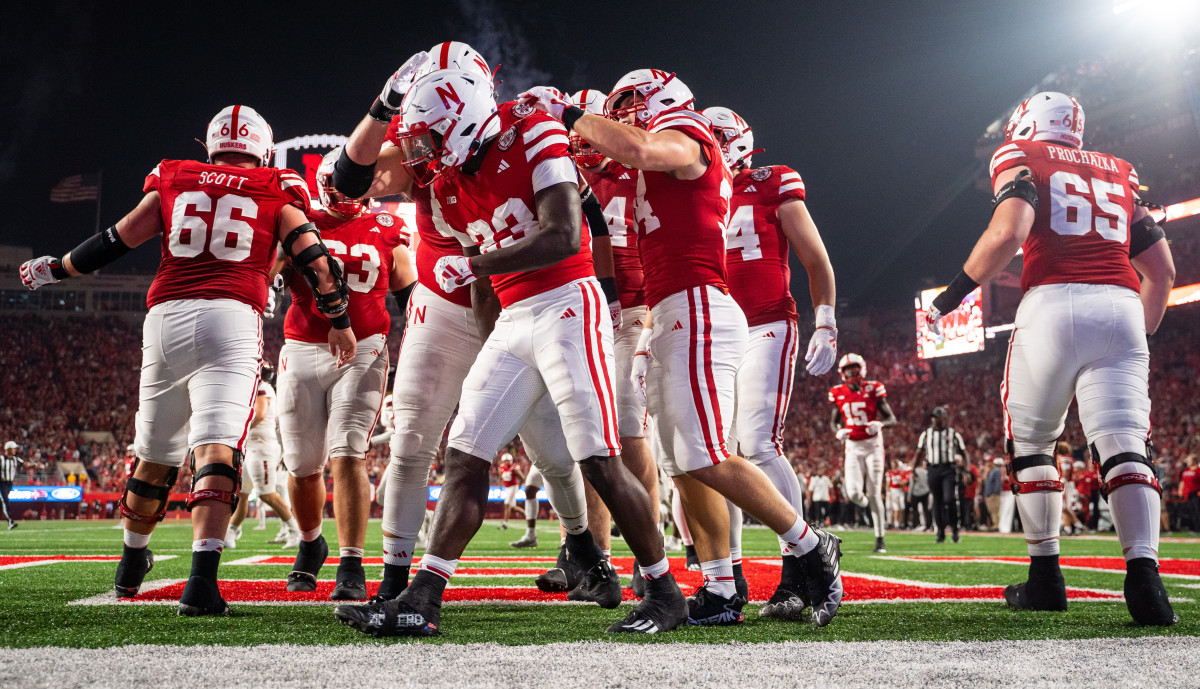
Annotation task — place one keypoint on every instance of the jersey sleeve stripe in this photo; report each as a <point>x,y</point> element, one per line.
<point>788,176</point>
<point>154,172</point>
<point>793,186</point>
<point>551,140</point>
<point>998,159</point>
<point>541,128</point>
<point>676,120</point>
<point>553,171</point>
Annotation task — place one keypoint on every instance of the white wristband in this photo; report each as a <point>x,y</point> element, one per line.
<point>825,316</point>
<point>643,343</point>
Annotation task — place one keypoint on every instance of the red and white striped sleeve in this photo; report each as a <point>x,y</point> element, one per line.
<point>791,186</point>
<point>154,179</point>
<point>547,149</point>
<point>295,191</point>
<point>1010,155</point>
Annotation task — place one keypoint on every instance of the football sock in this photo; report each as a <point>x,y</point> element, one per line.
<point>292,526</point>
<point>207,544</point>
<point>530,532</point>
<point>607,554</point>
<point>1042,567</point>
<point>136,540</point>
<point>398,551</point>
<point>443,569</point>
<point>792,574</point>
<point>1135,513</point>
<point>531,509</point>
<point>656,570</point>
<point>799,539</point>
<point>344,553</point>
<point>204,563</point>
<point>311,535</point>
<point>1044,549</point>
<point>718,577</point>
<point>735,555</point>
<point>1041,511</point>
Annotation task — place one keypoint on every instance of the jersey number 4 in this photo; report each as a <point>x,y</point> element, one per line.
<point>190,235</point>
<point>1071,207</point>
<point>740,234</point>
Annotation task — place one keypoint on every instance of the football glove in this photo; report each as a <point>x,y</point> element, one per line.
<point>842,434</point>
<point>874,427</point>
<point>614,310</point>
<point>932,316</point>
<point>274,292</point>
<point>549,100</point>
<point>453,272</point>
<point>822,351</point>
<point>641,364</point>
<point>397,85</point>
<point>40,271</point>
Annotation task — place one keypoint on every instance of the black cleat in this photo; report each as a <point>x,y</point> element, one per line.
<point>941,538</point>
<point>823,577</point>
<point>202,597</point>
<point>395,580</point>
<point>709,609</point>
<point>389,618</point>
<point>309,560</point>
<point>601,585</point>
<point>1146,596</point>
<point>879,546</point>
<point>663,609</point>
<point>135,564</point>
<point>1039,594</point>
<point>638,582</point>
<point>785,604</point>
<point>351,583</point>
<point>564,576</point>
<point>693,560</point>
<point>954,537</point>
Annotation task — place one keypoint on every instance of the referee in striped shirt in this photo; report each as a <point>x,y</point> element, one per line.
<point>8,473</point>
<point>944,450</point>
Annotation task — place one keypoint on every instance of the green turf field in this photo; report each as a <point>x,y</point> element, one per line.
<point>34,610</point>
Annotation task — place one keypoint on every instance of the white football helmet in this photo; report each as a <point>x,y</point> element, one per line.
<point>654,92</point>
<point>734,135</point>
<point>1047,116</point>
<point>331,198</point>
<point>239,129</point>
<point>590,101</point>
<point>455,55</point>
<point>445,117</point>
<point>852,360</point>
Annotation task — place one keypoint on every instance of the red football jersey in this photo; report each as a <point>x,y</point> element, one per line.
<point>432,244</point>
<point>894,480</point>
<point>1189,480</point>
<point>494,207</point>
<point>756,256</point>
<point>858,407</point>
<point>615,186</point>
<point>363,246</point>
<point>220,229</point>
<point>681,223</point>
<point>1085,204</point>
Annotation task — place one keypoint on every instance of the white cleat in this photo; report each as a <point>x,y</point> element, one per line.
<point>292,542</point>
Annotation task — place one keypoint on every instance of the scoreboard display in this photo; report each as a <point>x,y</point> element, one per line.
<point>962,329</point>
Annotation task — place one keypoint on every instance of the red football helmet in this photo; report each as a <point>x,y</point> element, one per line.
<point>590,101</point>
<point>331,198</point>
<point>857,366</point>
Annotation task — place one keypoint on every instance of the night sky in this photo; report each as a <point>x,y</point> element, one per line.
<point>878,105</point>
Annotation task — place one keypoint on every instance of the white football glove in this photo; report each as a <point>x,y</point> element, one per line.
<point>874,427</point>
<point>641,364</point>
<point>842,434</point>
<point>274,292</point>
<point>453,272</point>
<point>547,99</point>
<point>397,85</point>
<point>614,310</point>
<point>932,316</point>
<point>822,347</point>
<point>39,271</point>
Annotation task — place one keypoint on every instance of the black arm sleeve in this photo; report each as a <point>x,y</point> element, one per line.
<point>1143,234</point>
<point>350,178</point>
<point>951,298</point>
<point>401,296</point>
<point>98,251</point>
<point>590,205</point>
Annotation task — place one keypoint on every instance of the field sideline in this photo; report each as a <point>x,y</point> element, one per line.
<point>50,605</point>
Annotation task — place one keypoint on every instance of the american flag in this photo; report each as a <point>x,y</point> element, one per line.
<point>76,188</point>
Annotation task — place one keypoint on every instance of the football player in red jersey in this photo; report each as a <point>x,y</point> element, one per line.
<point>220,223</point>
<point>327,412</point>
<point>860,413</point>
<point>442,339</point>
<point>768,217</point>
<point>697,332</point>
<point>511,476</point>
<point>1080,333</point>
<point>506,188</point>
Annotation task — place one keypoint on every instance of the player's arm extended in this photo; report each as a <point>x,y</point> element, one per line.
<point>887,417</point>
<point>97,251</point>
<point>484,303</point>
<point>1010,225</point>
<point>666,151</point>
<point>557,237</point>
<point>805,240</point>
<point>1157,268</point>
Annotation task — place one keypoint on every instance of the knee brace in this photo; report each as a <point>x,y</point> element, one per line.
<point>1108,485</point>
<point>1019,464</point>
<point>233,473</point>
<point>149,491</point>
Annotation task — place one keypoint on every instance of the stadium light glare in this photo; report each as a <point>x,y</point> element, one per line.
<point>1163,14</point>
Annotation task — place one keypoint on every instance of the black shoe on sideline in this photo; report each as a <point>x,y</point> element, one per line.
<point>309,559</point>
<point>135,564</point>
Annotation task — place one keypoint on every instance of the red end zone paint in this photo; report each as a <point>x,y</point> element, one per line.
<point>762,575</point>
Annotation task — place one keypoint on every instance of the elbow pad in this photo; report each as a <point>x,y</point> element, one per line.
<point>590,205</point>
<point>1143,234</point>
<point>1020,188</point>
<point>98,251</point>
<point>332,304</point>
<point>350,178</point>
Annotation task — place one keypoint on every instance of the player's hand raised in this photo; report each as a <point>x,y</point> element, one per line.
<point>547,99</point>
<point>932,316</point>
<point>39,271</point>
<point>342,344</point>
<point>397,85</point>
<point>822,350</point>
<point>453,272</point>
